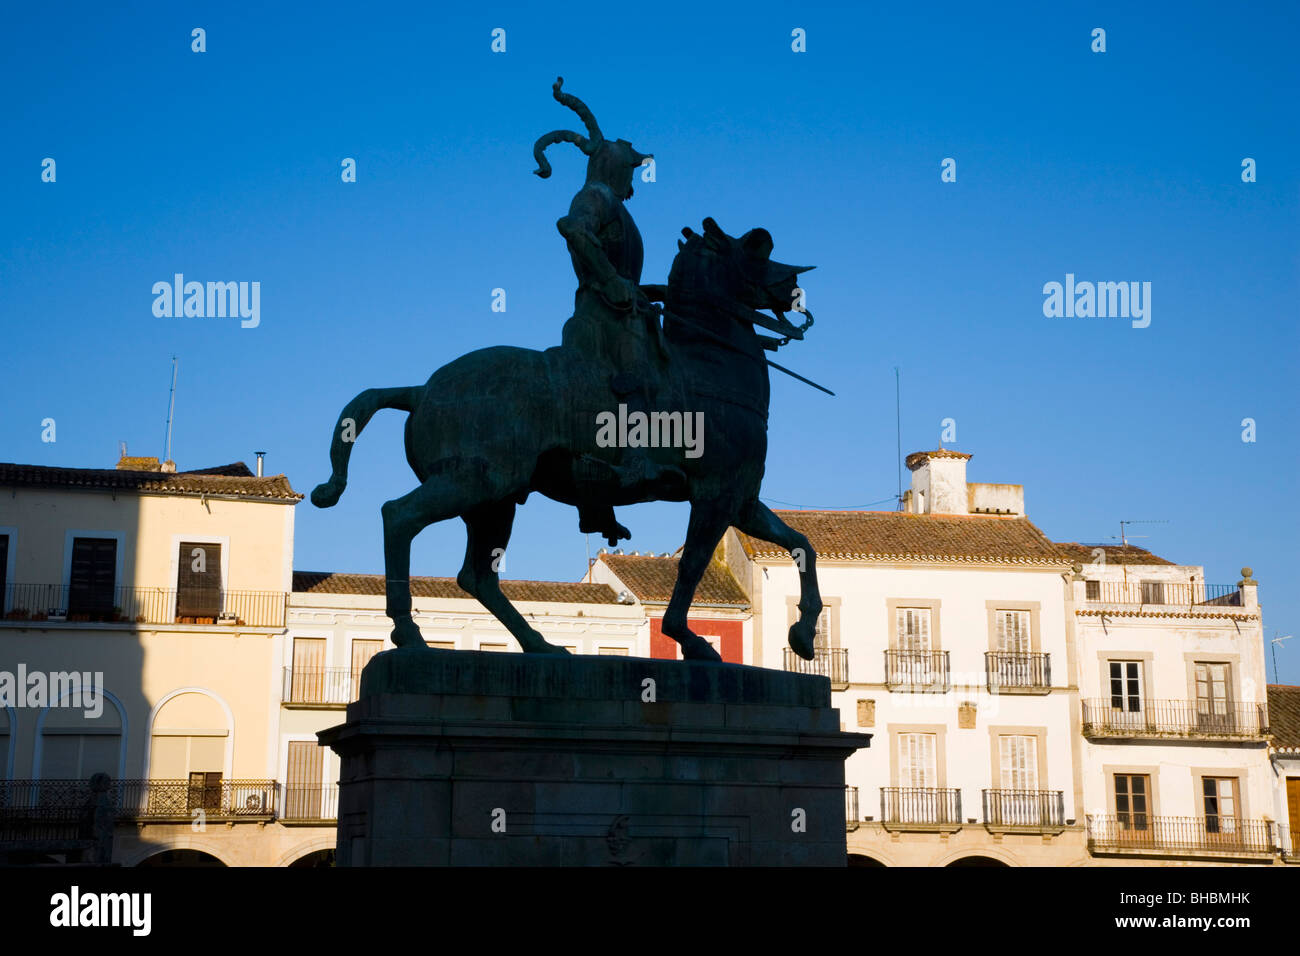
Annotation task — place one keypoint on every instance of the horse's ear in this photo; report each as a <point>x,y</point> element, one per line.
<point>714,235</point>
<point>688,232</point>
<point>757,243</point>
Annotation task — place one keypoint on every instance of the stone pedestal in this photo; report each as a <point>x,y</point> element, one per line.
<point>471,758</point>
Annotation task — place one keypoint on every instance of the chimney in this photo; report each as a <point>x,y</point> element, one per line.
<point>260,455</point>
<point>938,482</point>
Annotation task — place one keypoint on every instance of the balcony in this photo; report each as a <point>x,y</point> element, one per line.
<point>1029,811</point>
<point>830,662</point>
<point>310,804</point>
<point>1139,834</point>
<point>1015,673</point>
<point>920,808</point>
<point>319,687</point>
<point>143,801</point>
<point>923,671</point>
<point>852,820</point>
<point>1170,593</point>
<point>57,603</point>
<point>1199,719</point>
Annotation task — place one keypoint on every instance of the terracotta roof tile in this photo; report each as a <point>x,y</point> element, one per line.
<point>1115,554</point>
<point>234,480</point>
<point>559,592</point>
<point>1284,716</point>
<point>652,578</point>
<point>897,535</point>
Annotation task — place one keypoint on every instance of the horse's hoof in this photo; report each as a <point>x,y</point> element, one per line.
<point>327,494</point>
<point>407,634</point>
<point>695,648</point>
<point>801,639</point>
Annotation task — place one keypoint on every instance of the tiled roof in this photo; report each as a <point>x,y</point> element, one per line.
<point>1115,554</point>
<point>898,535</point>
<point>329,582</point>
<point>651,579</point>
<point>234,480</point>
<point>917,458</point>
<point>1284,716</point>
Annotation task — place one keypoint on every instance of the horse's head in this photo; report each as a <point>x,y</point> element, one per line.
<point>717,269</point>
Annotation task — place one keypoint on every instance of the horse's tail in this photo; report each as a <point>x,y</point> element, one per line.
<point>352,419</point>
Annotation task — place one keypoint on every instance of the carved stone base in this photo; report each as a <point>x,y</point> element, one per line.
<point>471,758</point>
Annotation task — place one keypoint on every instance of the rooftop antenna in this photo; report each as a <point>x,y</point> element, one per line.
<point>1275,642</point>
<point>171,410</point>
<point>898,427</point>
<point>1124,536</point>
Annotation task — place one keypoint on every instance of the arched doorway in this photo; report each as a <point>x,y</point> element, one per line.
<point>857,859</point>
<point>316,859</point>
<point>977,861</point>
<point>185,858</point>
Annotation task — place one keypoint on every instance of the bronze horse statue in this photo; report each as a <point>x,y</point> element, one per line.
<point>496,424</point>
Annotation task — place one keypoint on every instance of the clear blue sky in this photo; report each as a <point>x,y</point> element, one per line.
<point>1117,166</point>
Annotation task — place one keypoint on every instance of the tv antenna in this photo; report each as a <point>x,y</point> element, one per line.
<point>171,410</point>
<point>1124,538</point>
<point>1275,642</point>
<point>898,427</point>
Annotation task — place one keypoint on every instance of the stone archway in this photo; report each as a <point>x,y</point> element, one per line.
<point>180,858</point>
<point>977,861</point>
<point>316,859</point>
<point>860,859</point>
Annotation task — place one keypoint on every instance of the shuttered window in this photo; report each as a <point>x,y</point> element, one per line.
<point>308,670</point>
<point>1220,801</point>
<point>303,789</point>
<point>93,575</point>
<point>822,636</point>
<point>916,760</point>
<point>198,580</point>
<point>913,629</point>
<point>362,651</point>
<point>1018,757</point>
<point>1212,688</point>
<point>1013,631</point>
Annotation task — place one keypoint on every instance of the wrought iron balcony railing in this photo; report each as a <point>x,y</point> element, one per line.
<point>143,800</point>
<point>851,818</point>
<point>310,803</point>
<point>1166,593</point>
<point>1139,832</point>
<point>320,685</point>
<point>1027,809</point>
<point>1132,717</point>
<point>920,805</point>
<point>56,603</point>
<point>1008,670</point>
<point>917,670</point>
<point>829,662</point>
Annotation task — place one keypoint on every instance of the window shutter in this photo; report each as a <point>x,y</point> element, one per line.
<point>92,577</point>
<point>308,670</point>
<point>362,651</point>
<point>198,580</point>
<point>1019,756</point>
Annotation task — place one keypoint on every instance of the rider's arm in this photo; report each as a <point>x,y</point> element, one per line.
<point>588,212</point>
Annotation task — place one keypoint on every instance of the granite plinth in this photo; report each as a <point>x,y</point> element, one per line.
<point>478,758</point>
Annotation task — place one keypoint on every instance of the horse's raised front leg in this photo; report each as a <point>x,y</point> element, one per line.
<point>760,522</point>
<point>488,530</point>
<point>438,498</point>
<point>709,521</point>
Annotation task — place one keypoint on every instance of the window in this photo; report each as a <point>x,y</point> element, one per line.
<point>1153,592</point>
<point>204,792</point>
<point>4,568</point>
<point>1212,710</point>
<point>1018,756</point>
<point>441,645</point>
<point>918,771</point>
<point>303,790</point>
<point>913,629</point>
<point>198,580</point>
<point>1092,590</point>
<point>1131,801</point>
<point>92,576</point>
<point>308,680</point>
<point>362,651</point>
<point>1293,811</point>
<point>1126,686</point>
<point>612,651</point>
<point>822,636</point>
<point>1013,631</point>
<point>1220,802</point>
<point>497,648</point>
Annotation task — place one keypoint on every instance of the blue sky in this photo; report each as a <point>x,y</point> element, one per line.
<point>1115,166</point>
